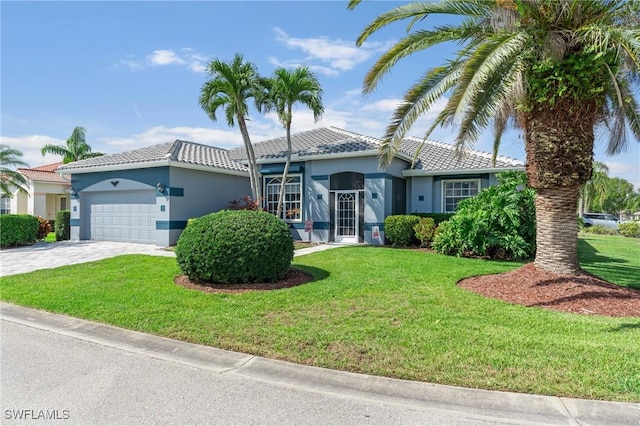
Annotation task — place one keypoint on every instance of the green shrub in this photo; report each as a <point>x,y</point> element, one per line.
<point>425,230</point>
<point>63,225</point>
<point>438,218</point>
<point>44,227</point>
<point>398,229</point>
<point>498,223</point>
<point>235,246</point>
<point>630,229</point>
<point>18,229</point>
<point>599,230</point>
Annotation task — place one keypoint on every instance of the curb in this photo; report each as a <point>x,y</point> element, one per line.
<point>490,405</point>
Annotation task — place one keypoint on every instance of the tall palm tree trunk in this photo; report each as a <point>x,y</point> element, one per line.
<point>285,172</point>
<point>557,230</point>
<point>254,177</point>
<point>559,149</point>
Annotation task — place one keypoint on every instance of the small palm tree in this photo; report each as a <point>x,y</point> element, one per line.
<point>231,85</point>
<point>284,90</point>
<point>9,160</point>
<point>554,68</point>
<point>75,149</point>
<point>593,188</point>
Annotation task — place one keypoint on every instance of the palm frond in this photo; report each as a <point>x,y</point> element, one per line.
<point>420,10</point>
<point>415,42</point>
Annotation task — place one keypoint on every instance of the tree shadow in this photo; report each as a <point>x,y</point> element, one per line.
<point>626,326</point>
<point>624,272</point>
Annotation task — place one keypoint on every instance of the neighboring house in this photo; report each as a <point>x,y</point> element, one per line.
<point>335,191</point>
<point>47,193</point>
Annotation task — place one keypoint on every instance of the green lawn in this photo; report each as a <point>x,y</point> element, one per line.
<point>373,310</point>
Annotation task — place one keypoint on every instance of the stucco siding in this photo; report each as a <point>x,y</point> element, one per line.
<point>200,193</point>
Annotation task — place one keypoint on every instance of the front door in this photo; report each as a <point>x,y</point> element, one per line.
<point>346,217</point>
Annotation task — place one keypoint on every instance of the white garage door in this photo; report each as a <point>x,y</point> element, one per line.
<point>122,216</point>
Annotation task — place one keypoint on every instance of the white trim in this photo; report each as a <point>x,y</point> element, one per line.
<point>279,176</point>
<point>420,172</point>
<point>356,236</point>
<point>151,164</point>
<point>442,190</point>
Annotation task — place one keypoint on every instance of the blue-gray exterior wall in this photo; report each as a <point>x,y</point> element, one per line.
<point>425,192</point>
<point>377,204</point>
<point>195,193</point>
<point>187,194</point>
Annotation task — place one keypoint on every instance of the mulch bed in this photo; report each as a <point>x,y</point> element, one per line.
<point>580,294</point>
<point>527,286</point>
<point>293,278</point>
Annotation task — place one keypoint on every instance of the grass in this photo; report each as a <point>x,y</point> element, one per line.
<point>614,258</point>
<point>379,311</point>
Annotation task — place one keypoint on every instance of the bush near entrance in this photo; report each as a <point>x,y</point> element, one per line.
<point>235,246</point>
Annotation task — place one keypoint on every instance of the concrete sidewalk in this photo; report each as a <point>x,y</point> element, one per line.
<point>496,407</point>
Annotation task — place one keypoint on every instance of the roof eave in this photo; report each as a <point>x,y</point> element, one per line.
<point>152,164</point>
<point>420,172</point>
<point>330,156</point>
<point>112,167</point>
<point>205,168</point>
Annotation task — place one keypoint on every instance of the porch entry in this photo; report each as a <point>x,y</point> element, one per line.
<point>346,217</point>
<point>346,207</point>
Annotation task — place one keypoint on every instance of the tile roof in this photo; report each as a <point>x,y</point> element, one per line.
<point>44,173</point>
<point>326,140</point>
<point>434,156</point>
<point>331,140</point>
<point>177,151</point>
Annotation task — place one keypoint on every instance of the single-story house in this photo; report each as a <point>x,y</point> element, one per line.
<point>335,191</point>
<point>47,193</point>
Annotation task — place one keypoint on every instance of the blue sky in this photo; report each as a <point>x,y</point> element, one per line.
<point>131,72</point>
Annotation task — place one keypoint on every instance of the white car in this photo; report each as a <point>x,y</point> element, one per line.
<point>603,219</point>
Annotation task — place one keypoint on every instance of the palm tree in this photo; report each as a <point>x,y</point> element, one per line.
<point>75,149</point>
<point>553,68</point>
<point>594,186</point>
<point>9,159</point>
<point>284,90</point>
<point>231,85</point>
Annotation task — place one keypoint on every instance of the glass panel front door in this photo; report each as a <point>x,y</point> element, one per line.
<point>347,217</point>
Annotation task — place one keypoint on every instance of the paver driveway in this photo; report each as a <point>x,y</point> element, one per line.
<point>52,255</point>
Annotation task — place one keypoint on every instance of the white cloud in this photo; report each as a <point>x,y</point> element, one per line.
<point>30,146</point>
<point>336,55</point>
<point>628,171</point>
<point>164,57</point>
<point>383,105</point>
<point>160,134</point>
<point>293,63</point>
<point>186,57</point>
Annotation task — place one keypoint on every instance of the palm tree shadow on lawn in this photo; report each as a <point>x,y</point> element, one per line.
<point>621,270</point>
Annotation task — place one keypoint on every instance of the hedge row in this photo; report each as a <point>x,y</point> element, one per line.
<point>18,230</point>
<point>413,229</point>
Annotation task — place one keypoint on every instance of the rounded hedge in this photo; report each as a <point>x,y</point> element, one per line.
<point>235,246</point>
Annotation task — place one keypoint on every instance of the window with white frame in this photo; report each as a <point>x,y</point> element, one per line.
<point>5,205</point>
<point>292,203</point>
<point>454,191</point>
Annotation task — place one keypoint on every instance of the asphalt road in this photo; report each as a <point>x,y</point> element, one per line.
<point>46,374</point>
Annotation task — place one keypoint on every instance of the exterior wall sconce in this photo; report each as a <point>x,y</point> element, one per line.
<point>160,187</point>
<point>72,191</point>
